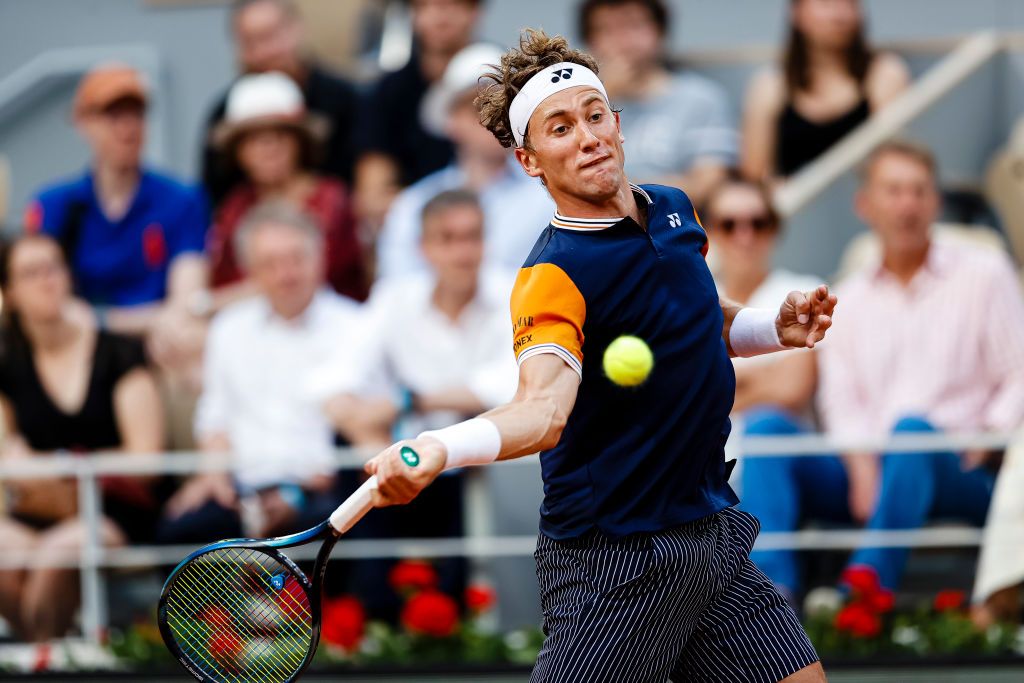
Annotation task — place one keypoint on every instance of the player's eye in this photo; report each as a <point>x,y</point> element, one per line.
<point>561,130</point>
<point>596,116</point>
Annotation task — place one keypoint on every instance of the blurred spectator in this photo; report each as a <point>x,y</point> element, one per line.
<point>64,386</point>
<point>268,134</point>
<point>463,310</point>
<point>269,36</point>
<point>774,391</point>
<point>930,338</point>
<point>678,126</point>
<point>134,237</point>
<point>511,200</point>
<point>454,365</point>
<point>829,82</point>
<point>396,150</point>
<point>260,357</point>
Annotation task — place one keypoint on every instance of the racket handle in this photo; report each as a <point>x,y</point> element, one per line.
<point>354,507</point>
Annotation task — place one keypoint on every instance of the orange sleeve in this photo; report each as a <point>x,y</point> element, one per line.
<point>548,311</point>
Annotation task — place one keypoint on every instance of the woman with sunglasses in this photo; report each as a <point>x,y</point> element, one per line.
<point>773,392</point>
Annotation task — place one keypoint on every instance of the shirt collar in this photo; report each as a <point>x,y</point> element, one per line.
<point>301,321</point>
<point>937,262</point>
<point>587,224</point>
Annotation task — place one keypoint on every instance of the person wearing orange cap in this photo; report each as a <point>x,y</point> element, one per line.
<point>134,237</point>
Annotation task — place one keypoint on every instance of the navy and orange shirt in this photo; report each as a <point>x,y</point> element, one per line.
<point>631,459</point>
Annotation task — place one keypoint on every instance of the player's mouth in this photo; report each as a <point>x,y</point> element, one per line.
<point>595,161</point>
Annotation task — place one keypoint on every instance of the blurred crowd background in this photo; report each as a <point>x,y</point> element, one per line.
<point>271,228</point>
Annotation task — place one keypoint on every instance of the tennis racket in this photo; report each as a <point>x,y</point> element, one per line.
<point>240,611</point>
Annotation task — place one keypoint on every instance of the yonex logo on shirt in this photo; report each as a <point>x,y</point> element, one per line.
<point>560,74</point>
<point>674,221</point>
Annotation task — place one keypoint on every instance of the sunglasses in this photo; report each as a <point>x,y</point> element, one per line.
<point>762,223</point>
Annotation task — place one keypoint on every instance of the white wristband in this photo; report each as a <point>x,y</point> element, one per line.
<point>473,442</point>
<point>753,332</point>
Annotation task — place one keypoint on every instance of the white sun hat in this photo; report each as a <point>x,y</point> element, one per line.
<point>267,99</point>
<point>461,75</point>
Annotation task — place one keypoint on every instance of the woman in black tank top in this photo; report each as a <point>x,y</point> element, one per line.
<point>64,387</point>
<point>830,81</point>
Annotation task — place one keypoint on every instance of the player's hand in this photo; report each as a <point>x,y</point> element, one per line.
<point>804,317</point>
<point>398,482</point>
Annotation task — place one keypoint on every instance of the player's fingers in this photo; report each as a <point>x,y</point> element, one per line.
<point>802,305</point>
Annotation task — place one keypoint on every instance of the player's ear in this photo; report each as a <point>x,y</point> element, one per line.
<point>528,160</point>
<point>618,126</point>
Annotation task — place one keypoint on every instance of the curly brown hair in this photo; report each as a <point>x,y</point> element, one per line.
<point>537,50</point>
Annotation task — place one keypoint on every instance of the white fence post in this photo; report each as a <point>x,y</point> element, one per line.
<point>94,607</point>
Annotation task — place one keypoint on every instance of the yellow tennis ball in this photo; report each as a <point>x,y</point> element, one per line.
<point>628,360</point>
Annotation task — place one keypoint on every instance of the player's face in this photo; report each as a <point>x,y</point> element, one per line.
<point>830,24</point>
<point>267,39</point>
<point>269,156</point>
<point>117,133</point>
<point>443,26</point>
<point>286,266</point>
<point>741,229</point>
<point>39,283</point>
<point>453,245</point>
<point>627,32</point>
<point>575,146</point>
<point>900,202</point>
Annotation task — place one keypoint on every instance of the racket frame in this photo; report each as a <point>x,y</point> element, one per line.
<point>272,547</point>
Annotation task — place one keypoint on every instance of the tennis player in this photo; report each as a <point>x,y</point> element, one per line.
<point>642,559</point>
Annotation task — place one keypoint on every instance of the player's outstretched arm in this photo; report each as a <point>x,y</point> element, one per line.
<point>801,321</point>
<point>531,422</point>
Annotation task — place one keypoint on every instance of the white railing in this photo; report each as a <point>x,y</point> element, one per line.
<point>480,543</point>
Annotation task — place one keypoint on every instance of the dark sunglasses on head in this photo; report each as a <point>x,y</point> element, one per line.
<point>761,223</point>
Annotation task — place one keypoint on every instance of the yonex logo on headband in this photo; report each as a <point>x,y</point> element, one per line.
<point>544,84</point>
<point>560,74</point>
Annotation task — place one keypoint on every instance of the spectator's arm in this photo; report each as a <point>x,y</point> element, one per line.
<point>763,104</point>
<point>211,426</point>
<point>1004,349</point>
<point>377,182</point>
<point>139,413</point>
<point>787,382</point>
<point>888,78</point>
<point>845,413</point>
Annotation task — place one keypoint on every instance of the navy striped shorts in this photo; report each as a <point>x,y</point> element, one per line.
<point>685,604</point>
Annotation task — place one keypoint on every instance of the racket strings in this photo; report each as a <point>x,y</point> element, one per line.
<point>237,624</point>
<point>241,615</point>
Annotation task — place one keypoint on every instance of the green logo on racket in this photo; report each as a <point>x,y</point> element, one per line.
<point>409,456</point>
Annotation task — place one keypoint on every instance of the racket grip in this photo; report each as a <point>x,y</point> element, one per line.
<point>354,507</point>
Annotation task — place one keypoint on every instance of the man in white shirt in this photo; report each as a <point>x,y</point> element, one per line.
<point>510,199</point>
<point>261,355</point>
<point>441,340</point>
<point>773,391</point>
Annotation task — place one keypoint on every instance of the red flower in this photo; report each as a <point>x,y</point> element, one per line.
<point>412,576</point>
<point>862,580</point>
<point>858,619</point>
<point>344,622</point>
<point>431,613</point>
<point>225,647</point>
<point>479,598</point>
<point>881,601</point>
<point>947,601</point>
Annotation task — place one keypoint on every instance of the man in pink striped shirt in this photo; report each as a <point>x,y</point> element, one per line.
<point>930,337</point>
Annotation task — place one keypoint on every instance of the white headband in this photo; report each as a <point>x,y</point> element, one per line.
<point>543,85</point>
